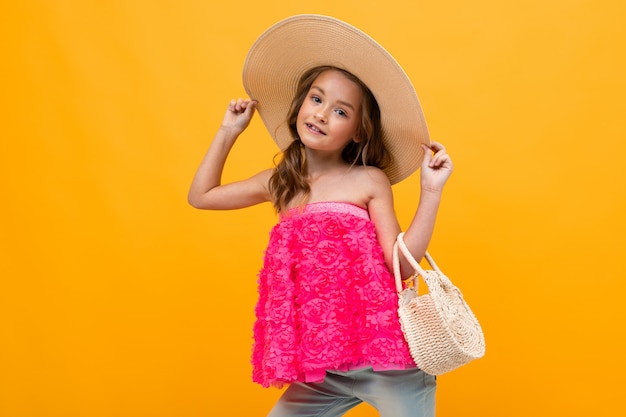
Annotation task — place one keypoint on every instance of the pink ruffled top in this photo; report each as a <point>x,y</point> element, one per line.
<point>327,300</point>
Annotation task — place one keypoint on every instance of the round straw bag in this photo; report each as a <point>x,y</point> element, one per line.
<point>439,327</point>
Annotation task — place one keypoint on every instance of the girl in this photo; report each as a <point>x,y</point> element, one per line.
<point>327,313</point>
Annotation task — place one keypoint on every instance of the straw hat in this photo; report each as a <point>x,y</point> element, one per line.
<point>292,46</point>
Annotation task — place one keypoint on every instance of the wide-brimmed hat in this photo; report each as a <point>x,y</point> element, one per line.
<point>289,48</point>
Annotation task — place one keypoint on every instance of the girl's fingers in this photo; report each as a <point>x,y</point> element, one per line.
<point>439,159</point>
<point>240,105</point>
<point>428,154</point>
<point>250,105</point>
<point>435,155</point>
<point>436,146</point>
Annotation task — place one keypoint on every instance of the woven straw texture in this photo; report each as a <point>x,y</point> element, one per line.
<point>440,328</point>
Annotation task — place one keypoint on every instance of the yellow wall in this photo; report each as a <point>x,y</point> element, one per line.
<point>118,299</point>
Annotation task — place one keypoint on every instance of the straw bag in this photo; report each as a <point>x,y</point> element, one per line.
<point>439,327</point>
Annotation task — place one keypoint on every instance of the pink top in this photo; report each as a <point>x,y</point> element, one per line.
<point>327,300</point>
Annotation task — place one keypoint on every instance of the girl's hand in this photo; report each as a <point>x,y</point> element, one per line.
<point>436,167</point>
<point>238,115</point>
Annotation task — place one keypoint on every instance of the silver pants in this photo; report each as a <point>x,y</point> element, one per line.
<point>406,393</point>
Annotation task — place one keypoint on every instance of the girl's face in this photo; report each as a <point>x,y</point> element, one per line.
<point>331,112</point>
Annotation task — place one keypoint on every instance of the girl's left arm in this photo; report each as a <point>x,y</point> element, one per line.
<point>436,169</point>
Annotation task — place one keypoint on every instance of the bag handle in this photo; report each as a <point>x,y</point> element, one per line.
<point>419,271</point>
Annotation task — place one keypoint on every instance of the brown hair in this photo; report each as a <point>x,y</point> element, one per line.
<point>289,179</point>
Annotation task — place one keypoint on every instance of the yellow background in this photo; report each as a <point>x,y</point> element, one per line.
<point>118,299</point>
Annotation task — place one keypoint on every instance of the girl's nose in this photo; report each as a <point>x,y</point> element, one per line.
<point>321,115</point>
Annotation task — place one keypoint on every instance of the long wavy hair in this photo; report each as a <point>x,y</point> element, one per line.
<point>290,178</point>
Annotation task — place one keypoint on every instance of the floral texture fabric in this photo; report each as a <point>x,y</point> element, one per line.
<point>327,300</point>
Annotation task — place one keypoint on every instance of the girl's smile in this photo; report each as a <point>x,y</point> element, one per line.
<point>314,128</point>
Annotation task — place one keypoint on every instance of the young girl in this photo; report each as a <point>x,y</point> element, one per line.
<point>327,320</point>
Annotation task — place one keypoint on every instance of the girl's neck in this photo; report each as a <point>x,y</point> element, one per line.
<point>319,165</point>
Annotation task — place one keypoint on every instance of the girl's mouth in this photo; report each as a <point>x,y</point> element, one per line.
<point>314,128</point>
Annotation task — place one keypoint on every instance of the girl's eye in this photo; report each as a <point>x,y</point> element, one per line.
<point>316,99</point>
<point>341,113</point>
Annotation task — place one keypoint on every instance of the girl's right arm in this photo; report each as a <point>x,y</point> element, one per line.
<point>207,191</point>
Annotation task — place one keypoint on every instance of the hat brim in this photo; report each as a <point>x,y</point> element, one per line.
<point>285,51</point>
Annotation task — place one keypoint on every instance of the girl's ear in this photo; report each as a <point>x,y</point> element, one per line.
<point>356,139</point>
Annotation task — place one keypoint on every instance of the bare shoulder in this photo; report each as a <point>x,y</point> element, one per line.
<point>373,173</point>
<point>376,179</point>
